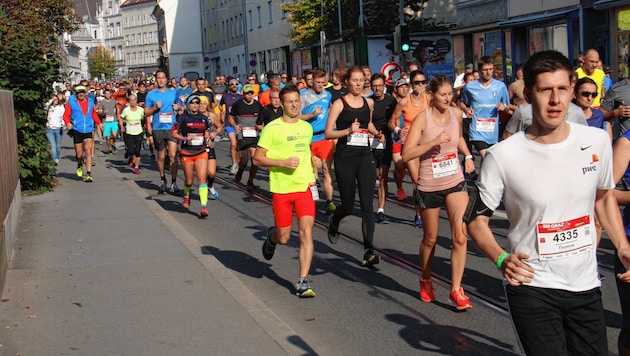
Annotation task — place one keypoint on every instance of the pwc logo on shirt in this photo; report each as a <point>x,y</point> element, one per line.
<point>592,167</point>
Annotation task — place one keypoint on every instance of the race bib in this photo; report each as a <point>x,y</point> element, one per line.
<point>133,126</point>
<point>109,118</point>
<point>358,138</point>
<point>249,132</point>
<point>166,118</point>
<point>376,145</point>
<point>196,139</point>
<point>486,125</point>
<point>314,191</point>
<point>564,239</point>
<point>445,165</point>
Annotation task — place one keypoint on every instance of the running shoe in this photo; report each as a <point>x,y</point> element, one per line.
<point>204,212</point>
<point>174,187</point>
<point>377,184</point>
<point>400,195</point>
<point>238,176</point>
<point>268,247</point>
<point>251,185</point>
<point>163,187</point>
<point>426,290</point>
<point>136,170</point>
<point>381,219</point>
<point>330,208</point>
<point>333,231</point>
<point>234,169</point>
<point>370,259</point>
<point>56,160</point>
<point>186,202</point>
<point>88,178</point>
<point>79,172</point>
<point>114,149</point>
<point>460,299</point>
<point>303,289</point>
<point>213,193</point>
<point>418,221</point>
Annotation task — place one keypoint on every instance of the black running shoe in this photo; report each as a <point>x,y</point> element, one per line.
<point>370,259</point>
<point>268,248</point>
<point>333,231</point>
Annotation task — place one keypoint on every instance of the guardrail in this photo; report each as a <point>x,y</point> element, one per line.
<point>10,192</point>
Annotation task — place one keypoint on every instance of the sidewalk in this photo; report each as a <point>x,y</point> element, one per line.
<point>100,269</point>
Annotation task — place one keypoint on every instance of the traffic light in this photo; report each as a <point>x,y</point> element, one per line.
<point>405,42</point>
<point>397,39</point>
<point>390,44</point>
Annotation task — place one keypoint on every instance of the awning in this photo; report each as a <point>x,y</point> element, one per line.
<point>609,4</point>
<point>538,18</point>
<point>474,29</point>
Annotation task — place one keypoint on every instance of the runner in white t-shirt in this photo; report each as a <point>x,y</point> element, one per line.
<point>552,177</point>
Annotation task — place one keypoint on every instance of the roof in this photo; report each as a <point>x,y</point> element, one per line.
<point>127,3</point>
<point>86,8</point>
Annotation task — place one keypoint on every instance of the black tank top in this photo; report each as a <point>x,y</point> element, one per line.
<point>345,120</point>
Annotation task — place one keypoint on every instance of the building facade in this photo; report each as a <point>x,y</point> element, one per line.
<point>110,21</point>
<point>140,37</point>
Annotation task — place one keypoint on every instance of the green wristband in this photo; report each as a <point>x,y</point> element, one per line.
<point>500,259</point>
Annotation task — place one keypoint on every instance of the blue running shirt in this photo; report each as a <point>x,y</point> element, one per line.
<point>484,125</point>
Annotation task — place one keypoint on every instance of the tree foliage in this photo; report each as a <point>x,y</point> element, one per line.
<point>101,61</point>
<point>29,31</point>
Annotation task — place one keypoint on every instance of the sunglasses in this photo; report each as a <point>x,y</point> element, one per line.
<point>195,102</point>
<point>249,92</point>
<point>418,82</point>
<point>284,77</point>
<point>586,94</point>
<point>234,84</point>
<point>251,78</point>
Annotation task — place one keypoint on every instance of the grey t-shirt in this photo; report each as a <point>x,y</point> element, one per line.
<point>522,117</point>
<point>109,113</point>
<point>620,91</point>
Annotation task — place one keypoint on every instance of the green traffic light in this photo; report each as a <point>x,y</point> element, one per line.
<point>405,47</point>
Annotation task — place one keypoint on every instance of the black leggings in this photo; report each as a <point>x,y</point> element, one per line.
<point>351,171</point>
<point>134,144</point>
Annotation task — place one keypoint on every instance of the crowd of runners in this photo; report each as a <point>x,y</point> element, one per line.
<point>544,145</point>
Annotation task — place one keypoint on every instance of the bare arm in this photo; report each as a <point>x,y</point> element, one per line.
<point>609,216</point>
<point>260,159</point>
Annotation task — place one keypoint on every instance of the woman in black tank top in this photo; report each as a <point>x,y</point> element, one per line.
<point>350,122</point>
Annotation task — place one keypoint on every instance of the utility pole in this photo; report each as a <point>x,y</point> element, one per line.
<point>401,19</point>
<point>245,38</point>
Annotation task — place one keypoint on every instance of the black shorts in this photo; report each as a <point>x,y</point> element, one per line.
<point>430,200</point>
<point>211,154</point>
<point>480,145</point>
<point>382,157</point>
<point>161,137</point>
<point>78,137</point>
<point>246,143</point>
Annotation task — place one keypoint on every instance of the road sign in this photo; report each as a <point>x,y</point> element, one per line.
<point>389,69</point>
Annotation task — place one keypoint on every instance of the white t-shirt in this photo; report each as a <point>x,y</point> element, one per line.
<point>543,186</point>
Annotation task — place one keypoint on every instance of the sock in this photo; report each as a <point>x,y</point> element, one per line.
<point>210,181</point>
<point>380,210</point>
<point>203,194</point>
<point>79,165</point>
<point>187,190</point>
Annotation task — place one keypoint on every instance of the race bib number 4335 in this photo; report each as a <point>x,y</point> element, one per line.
<point>564,239</point>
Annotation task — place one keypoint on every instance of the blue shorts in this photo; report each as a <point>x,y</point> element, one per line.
<point>109,128</point>
<point>230,129</point>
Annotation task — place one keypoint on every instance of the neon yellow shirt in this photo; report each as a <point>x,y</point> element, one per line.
<point>598,77</point>
<point>134,120</point>
<point>283,140</point>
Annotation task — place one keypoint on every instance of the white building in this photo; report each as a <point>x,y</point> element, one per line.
<point>140,37</point>
<point>263,33</point>
<point>110,20</point>
<point>180,22</point>
<point>87,37</point>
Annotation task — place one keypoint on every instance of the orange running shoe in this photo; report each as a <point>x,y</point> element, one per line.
<point>460,299</point>
<point>426,290</point>
<point>186,202</point>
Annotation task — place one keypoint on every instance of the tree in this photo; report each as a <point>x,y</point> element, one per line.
<point>29,30</point>
<point>101,61</point>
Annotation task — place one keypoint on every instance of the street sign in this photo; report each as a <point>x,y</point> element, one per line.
<point>389,69</point>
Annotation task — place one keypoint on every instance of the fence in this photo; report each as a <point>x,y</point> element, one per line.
<point>10,193</point>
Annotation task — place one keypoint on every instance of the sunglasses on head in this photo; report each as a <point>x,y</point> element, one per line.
<point>418,82</point>
<point>249,92</point>
<point>586,94</point>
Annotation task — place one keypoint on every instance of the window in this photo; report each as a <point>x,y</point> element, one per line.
<point>270,11</point>
<point>259,16</point>
<point>548,37</point>
<point>251,21</point>
<point>283,15</point>
<point>127,40</point>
